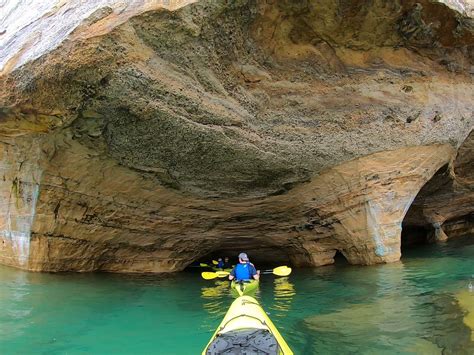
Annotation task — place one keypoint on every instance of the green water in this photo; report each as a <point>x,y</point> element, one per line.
<point>410,307</point>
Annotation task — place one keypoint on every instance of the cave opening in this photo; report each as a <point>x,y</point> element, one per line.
<point>417,228</point>
<point>413,236</point>
<point>262,256</point>
<point>340,259</point>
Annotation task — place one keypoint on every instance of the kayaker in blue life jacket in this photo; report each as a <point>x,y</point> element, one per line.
<point>227,264</point>
<point>220,263</point>
<point>244,270</point>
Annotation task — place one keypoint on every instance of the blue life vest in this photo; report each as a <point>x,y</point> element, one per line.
<point>242,271</point>
<point>220,264</point>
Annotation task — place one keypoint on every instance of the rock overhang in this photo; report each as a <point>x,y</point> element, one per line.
<point>223,123</point>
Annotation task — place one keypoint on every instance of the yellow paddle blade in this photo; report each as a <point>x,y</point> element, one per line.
<point>203,265</point>
<point>282,271</point>
<point>215,262</point>
<point>207,275</point>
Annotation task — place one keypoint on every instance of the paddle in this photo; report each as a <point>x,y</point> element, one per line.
<point>207,275</point>
<point>207,265</point>
<point>279,271</point>
<point>201,265</point>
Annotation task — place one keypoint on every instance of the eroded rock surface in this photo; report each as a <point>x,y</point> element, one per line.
<point>149,136</point>
<point>444,206</point>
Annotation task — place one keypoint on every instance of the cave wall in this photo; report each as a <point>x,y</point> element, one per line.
<point>146,138</point>
<point>444,206</point>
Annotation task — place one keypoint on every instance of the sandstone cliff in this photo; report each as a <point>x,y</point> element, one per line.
<point>143,136</point>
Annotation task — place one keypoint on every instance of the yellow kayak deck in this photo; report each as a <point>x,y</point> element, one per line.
<point>243,288</point>
<point>246,319</point>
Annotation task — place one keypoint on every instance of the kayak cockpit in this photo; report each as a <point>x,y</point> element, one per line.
<point>246,329</point>
<point>244,341</point>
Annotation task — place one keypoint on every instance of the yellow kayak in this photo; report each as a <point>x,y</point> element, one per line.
<point>219,269</point>
<point>246,329</point>
<point>242,288</point>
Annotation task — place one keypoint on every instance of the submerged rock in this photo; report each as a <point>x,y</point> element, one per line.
<point>466,302</point>
<point>392,318</point>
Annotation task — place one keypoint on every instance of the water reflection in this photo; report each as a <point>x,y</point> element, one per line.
<point>218,289</point>
<point>15,306</point>
<point>214,297</point>
<point>284,291</point>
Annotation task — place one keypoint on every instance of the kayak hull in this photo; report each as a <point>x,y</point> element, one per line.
<point>244,288</point>
<point>245,316</point>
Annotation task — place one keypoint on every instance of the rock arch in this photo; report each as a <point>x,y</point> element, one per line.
<point>445,205</point>
<point>365,200</point>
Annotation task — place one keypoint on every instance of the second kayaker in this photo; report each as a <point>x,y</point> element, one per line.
<point>244,270</point>
<point>227,264</point>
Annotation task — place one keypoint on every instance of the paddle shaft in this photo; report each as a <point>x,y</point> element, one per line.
<point>278,271</point>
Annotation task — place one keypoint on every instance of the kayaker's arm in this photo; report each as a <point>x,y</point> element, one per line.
<point>232,274</point>
<point>253,271</point>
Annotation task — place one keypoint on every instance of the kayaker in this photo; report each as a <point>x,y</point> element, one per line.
<point>220,263</point>
<point>227,264</point>
<point>244,270</point>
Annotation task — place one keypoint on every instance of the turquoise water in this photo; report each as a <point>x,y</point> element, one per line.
<point>416,306</point>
